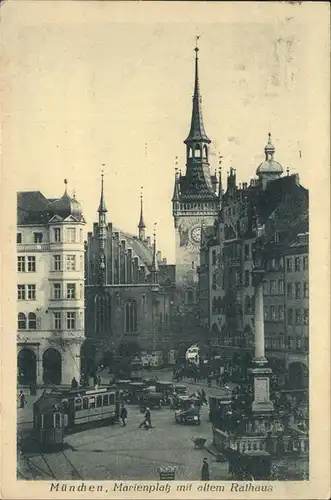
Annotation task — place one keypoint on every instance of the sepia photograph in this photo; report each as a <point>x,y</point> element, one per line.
<point>161,171</point>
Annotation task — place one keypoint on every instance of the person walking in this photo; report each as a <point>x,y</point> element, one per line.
<point>123,415</point>
<point>205,470</point>
<point>22,399</point>
<point>147,423</point>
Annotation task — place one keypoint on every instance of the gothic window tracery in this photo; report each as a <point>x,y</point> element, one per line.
<point>102,313</point>
<point>131,316</point>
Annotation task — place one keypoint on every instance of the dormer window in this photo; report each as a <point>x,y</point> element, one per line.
<point>38,237</point>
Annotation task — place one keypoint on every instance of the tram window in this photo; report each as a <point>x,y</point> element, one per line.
<point>111,399</point>
<point>106,400</point>
<point>92,402</point>
<point>78,404</point>
<point>57,420</point>
<point>85,403</point>
<point>99,401</point>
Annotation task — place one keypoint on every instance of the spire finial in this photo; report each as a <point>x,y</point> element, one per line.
<point>65,186</point>
<point>196,46</point>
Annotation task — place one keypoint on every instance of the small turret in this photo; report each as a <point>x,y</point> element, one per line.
<point>141,225</point>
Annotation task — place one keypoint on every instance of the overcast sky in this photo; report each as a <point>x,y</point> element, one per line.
<point>91,84</point>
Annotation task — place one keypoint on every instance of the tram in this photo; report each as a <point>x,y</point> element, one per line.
<point>79,407</point>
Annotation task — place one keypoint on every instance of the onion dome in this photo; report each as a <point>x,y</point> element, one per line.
<point>269,165</point>
<point>67,205</point>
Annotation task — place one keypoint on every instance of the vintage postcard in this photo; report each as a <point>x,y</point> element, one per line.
<point>165,249</point>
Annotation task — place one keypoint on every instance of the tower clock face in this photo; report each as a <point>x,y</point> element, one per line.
<point>196,234</point>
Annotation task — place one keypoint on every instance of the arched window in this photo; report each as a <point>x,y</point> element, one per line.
<point>190,152</point>
<point>131,316</point>
<point>205,153</point>
<point>102,312</point>
<point>197,151</point>
<point>32,321</point>
<point>21,321</point>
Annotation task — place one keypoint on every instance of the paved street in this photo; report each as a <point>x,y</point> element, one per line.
<point>126,453</point>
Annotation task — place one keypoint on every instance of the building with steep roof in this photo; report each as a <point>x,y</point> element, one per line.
<point>128,290</point>
<point>50,288</point>
<point>275,208</point>
<point>195,200</point>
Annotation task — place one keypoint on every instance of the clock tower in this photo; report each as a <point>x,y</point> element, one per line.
<point>195,201</point>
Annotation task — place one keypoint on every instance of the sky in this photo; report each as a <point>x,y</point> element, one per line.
<point>93,86</point>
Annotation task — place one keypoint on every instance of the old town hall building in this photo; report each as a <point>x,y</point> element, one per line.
<point>128,290</point>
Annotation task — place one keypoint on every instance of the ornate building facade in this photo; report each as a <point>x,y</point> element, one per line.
<point>195,201</point>
<point>50,288</point>
<point>275,207</point>
<point>128,291</point>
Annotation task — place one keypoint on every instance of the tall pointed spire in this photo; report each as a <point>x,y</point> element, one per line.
<point>141,225</point>
<point>102,235</point>
<point>197,130</point>
<point>102,205</point>
<point>155,266</point>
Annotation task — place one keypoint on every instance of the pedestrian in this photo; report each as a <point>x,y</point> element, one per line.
<point>205,470</point>
<point>123,415</point>
<point>147,424</point>
<point>22,399</point>
<point>74,384</point>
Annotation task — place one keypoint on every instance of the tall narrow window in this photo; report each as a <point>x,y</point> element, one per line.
<point>290,316</point>
<point>272,287</point>
<point>305,263</point>
<point>57,291</point>
<point>57,235</point>
<point>21,292</point>
<point>281,313</point>
<point>281,287</point>
<point>297,263</point>
<point>298,290</point>
<point>71,235</point>
<point>71,320</point>
<point>131,316</point>
<point>21,264</point>
<point>21,321</point>
<point>71,262</point>
<point>247,278</point>
<point>305,316</point>
<point>57,262</point>
<point>289,290</point>
<point>31,292</point>
<point>289,264</point>
<point>32,319</point>
<point>31,264</point>
<point>298,316</point>
<point>57,321</point>
<point>71,290</point>
<point>18,237</point>
<point>306,289</point>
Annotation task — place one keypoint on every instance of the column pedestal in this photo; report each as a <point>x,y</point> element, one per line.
<point>262,403</point>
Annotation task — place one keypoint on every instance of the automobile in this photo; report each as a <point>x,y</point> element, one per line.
<point>188,411</point>
<point>151,400</point>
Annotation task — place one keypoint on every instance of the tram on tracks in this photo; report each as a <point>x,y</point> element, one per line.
<point>77,408</point>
